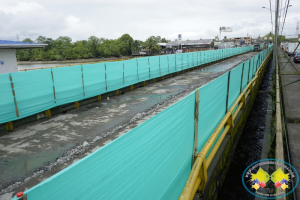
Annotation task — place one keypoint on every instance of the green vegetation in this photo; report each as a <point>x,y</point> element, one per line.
<point>281,38</point>
<point>64,49</point>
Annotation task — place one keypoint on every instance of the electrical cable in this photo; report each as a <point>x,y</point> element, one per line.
<point>287,7</point>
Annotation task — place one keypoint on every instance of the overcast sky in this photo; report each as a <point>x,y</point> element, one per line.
<point>194,19</point>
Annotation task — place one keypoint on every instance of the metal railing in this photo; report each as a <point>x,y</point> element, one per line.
<point>198,175</point>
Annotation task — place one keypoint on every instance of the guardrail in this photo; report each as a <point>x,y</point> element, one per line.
<point>29,92</point>
<point>198,175</point>
<point>153,160</point>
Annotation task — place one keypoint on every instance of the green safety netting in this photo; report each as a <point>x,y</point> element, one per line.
<point>212,105</point>
<point>78,82</point>
<point>34,92</point>
<point>153,160</point>
<point>67,84</point>
<point>132,73</point>
<point>7,103</point>
<point>94,79</point>
<point>234,84</point>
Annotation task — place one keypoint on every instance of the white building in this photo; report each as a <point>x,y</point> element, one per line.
<point>8,58</point>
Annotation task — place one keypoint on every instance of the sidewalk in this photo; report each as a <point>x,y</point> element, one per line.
<point>291,101</point>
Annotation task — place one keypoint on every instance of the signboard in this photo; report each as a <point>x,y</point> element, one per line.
<point>291,37</point>
<point>225,29</point>
<point>179,37</point>
<point>270,38</point>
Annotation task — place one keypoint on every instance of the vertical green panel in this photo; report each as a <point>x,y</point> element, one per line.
<point>94,79</point>
<point>245,75</point>
<point>152,161</point>
<point>212,106</point>
<point>143,70</point>
<point>172,63</point>
<point>164,65</point>
<point>68,84</point>
<point>235,84</point>
<point>130,70</point>
<point>34,91</point>
<point>154,66</point>
<point>114,74</point>
<point>185,60</point>
<point>7,104</point>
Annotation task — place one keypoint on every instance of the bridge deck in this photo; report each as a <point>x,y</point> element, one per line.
<point>50,145</point>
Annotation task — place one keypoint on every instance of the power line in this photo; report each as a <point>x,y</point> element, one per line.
<point>285,15</point>
<point>271,14</point>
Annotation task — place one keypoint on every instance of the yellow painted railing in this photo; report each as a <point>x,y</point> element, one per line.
<point>198,175</point>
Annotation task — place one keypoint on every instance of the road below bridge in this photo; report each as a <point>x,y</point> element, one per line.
<point>34,152</point>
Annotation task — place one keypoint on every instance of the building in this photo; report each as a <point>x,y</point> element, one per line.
<point>241,40</point>
<point>189,45</point>
<point>8,59</point>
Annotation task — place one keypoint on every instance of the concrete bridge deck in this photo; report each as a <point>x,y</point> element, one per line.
<point>34,152</point>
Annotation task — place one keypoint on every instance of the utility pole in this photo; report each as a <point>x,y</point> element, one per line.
<point>276,33</point>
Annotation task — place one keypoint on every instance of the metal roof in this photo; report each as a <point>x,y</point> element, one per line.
<point>192,42</point>
<point>7,44</point>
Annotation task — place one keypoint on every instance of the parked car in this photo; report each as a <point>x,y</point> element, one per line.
<point>297,57</point>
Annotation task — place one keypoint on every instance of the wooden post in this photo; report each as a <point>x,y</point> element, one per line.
<point>149,67</point>
<point>249,71</point>
<point>228,87</point>
<point>196,119</point>
<point>168,65</point>
<point>123,73</point>
<point>253,74</point>
<point>159,67</point>
<point>182,61</point>
<point>137,69</point>
<point>241,89</point>
<point>82,81</point>
<point>105,77</point>
<point>175,63</point>
<point>14,94</point>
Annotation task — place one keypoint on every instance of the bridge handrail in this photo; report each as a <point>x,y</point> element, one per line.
<point>198,175</point>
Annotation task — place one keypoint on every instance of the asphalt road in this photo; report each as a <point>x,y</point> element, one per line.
<point>34,152</point>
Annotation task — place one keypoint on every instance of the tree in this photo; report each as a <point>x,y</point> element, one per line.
<point>24,54</point>
<point>136,45</point>
<point>125,44</point>
<point>93,44</point>
<point>217,38</point>
<point>151,44</point>
<point>163,40</point>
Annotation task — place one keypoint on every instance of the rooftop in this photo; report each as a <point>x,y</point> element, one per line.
<point>191,42</point>
<point>7,44</point>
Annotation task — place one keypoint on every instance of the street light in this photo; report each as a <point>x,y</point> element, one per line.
<point>274,11</point>
<point>279,10</point>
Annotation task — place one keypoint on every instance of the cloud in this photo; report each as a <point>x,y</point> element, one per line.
<point>194,19</point>
<point>30,19</point>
